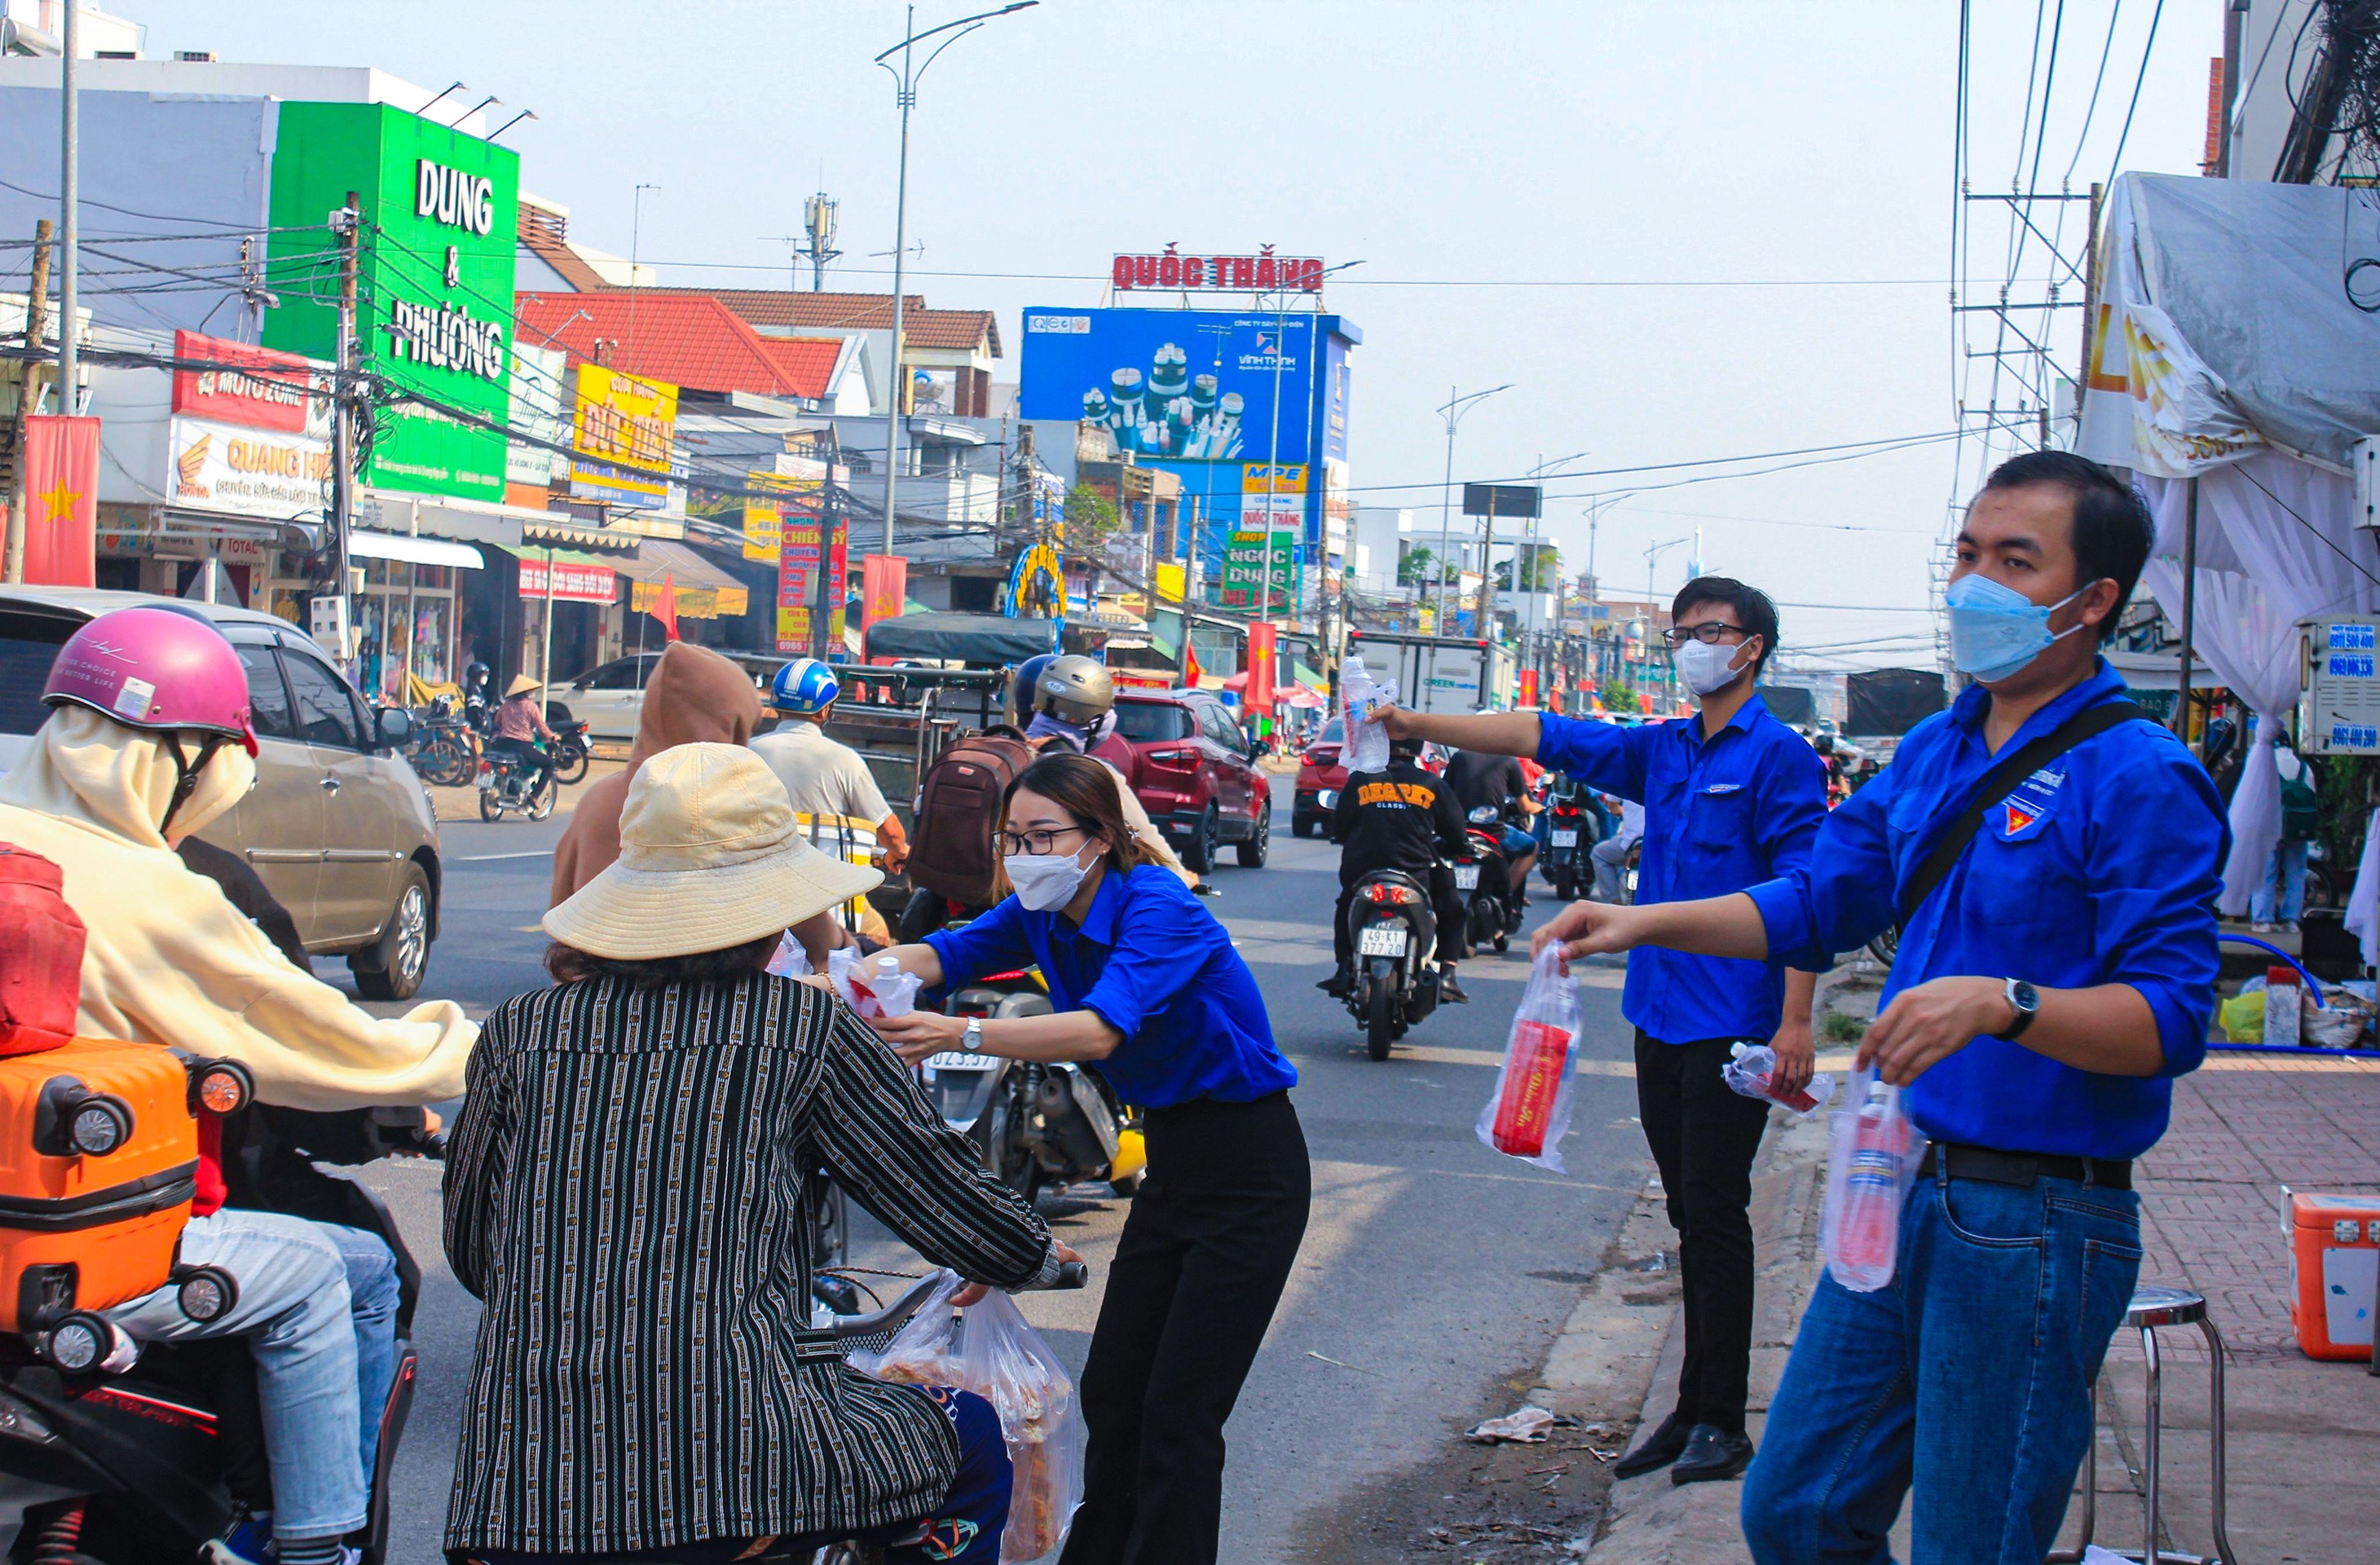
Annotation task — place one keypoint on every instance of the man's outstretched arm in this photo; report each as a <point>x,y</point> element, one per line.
<point>1727,926</point>
<point>1495,734</point>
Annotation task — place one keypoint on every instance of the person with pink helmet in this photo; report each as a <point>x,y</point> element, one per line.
<point>149,739</point>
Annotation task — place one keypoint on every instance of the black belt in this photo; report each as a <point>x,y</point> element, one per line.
<point>1993,1167</point>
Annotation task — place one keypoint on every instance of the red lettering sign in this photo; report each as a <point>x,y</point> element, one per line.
<point>1239,274</point>
<point>241,385</point>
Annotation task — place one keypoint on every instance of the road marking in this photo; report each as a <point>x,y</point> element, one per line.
<point>491,857</point>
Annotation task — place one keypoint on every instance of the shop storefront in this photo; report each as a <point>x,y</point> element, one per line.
<point>407,614</point>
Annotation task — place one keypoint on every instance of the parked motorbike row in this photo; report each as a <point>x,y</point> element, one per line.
<point>450,749</point>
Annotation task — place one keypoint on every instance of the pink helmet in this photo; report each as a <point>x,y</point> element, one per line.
<point>158,669</point>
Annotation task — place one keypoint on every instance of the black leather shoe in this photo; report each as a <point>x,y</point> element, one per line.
<point>1656,1451</point>
<point>1339,985</point>
<point>1449,990</point>
<point>1712,1456</point>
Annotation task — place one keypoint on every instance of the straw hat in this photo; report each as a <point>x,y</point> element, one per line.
<point>521,685</point>
<point>709,858</point>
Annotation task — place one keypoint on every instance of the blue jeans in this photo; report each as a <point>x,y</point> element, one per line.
<point>1966,1379</point>
<point>293,1307</point>
<point>373,1294</point>
<point>2284,872</point>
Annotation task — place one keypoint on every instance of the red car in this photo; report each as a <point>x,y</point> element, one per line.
<point>1186,760</point>
<point>1319,777</point>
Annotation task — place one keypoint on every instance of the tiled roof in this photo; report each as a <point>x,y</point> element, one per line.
<point>687,340</point>
<point>964,330</point>
<point>808,362</point>
<point>549,247</point>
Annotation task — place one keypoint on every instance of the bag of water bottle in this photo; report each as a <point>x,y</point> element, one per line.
<point>1873,1149</point>
<point>1529,1111</point>
<point>871,987</point>
<point>1367,743</point>
<point>1754,1066</point>
<point>789,960</point>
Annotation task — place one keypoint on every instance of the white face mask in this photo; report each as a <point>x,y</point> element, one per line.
<point>1706,666</point>
<point>1045,881</point>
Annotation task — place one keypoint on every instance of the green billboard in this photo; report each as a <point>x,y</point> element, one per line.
<point>434,281</point>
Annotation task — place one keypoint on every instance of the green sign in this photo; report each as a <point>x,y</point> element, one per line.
<point>1244,583</point>
<point>434,281</point>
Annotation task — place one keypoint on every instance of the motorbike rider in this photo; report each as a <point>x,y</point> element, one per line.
<point>1499,783</point>
<point>520,723</point>
<point>1399,818</point>
<point>479,702</point>
<point>1068,703</point>
<point>828,781</point>
<point>148,740</point>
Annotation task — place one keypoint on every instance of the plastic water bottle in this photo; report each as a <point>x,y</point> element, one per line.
<point>1529,1112</point>
<point>896,991</point>
<point>1755,1065</point>
<point>1367,743</point>
<point>1868,1226</point>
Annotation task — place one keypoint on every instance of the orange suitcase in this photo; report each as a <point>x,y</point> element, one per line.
<point>99,1160</point>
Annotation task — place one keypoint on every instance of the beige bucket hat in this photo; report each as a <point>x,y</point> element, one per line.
<point>709,858</point>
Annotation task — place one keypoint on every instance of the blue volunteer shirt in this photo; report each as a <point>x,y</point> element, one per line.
<point>1720,816</point>
<point>1156,966</point>
<point>2099,869</point>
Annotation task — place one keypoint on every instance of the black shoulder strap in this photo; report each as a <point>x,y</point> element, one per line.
<point>1952,845</point>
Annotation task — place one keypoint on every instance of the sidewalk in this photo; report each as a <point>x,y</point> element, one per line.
<point>2300,1432</point>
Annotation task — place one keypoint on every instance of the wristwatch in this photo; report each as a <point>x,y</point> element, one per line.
<point>971,1037</point>
<point>2025,1001</point>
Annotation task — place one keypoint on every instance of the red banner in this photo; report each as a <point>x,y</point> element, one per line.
<point>1528,687</point>
<point>61,502</point>
<point>254,386</point>
<point>572,583</point>
<point>1262,652</point>
<point>883,588</point>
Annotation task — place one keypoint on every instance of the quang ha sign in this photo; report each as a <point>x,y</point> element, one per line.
<point>1261,272</point>
<point>250,433</point>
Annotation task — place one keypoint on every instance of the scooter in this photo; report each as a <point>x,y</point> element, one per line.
<point>116,1457</point>
<point>1570,838</point>
<point>504,787</point>
<point>1394,937</point>
<point>568,753</point>
<point>1485,875</point>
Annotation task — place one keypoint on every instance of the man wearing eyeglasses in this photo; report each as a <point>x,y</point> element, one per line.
<point>1731,796</point>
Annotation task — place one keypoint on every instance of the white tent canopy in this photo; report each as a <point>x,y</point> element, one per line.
<point>2231,359</point>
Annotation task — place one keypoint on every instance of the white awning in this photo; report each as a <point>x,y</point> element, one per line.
<point>367,545</point>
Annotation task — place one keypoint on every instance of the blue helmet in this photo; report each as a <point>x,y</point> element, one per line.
<point>805,686</point>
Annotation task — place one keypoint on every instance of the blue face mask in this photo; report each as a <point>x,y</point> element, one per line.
<point>1996,630</point>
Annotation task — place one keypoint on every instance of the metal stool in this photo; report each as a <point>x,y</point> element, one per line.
<point>2149,1308</point>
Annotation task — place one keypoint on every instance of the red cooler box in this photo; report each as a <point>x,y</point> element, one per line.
<point>2334,1264</point>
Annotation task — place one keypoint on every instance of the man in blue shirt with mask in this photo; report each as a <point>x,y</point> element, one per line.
<point>1731,797</point>
<point>2052,860</point>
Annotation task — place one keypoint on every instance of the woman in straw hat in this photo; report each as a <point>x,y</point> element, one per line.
<point>628,1190</point>
<point>520,723</point>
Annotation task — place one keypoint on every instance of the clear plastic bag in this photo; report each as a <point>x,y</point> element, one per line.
<point>1874,1152</point>
<point>790,960</point>
<point>989,1350</point>
<point>1750,1071</point>
<point>873,989</point>
<point>1529,1111</point>
<point>1366,748</point>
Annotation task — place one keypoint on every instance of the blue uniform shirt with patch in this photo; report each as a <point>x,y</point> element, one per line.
<point>2099,869</point>
<point>1156,966</point>
<point>1720,816</point>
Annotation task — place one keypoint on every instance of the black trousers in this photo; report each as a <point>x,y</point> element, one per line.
<point>1704,1138</point>
<point>1197,1271</point>
<point>1448,913</point>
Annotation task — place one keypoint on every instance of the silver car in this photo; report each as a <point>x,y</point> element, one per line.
<point>339,829</point>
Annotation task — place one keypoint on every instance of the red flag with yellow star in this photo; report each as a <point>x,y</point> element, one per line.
<point>61,500</point>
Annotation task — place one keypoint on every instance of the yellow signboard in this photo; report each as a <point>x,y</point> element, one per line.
<point>761,525</point>
<point>1171,583</point>
<point>624,421</point>
<point>1272,478</point>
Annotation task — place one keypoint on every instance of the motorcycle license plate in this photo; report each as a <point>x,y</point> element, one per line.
<point>1382,939</point>
<point>1328,798</point>
<point>958,1061</point>
<point>1466,876</point>
<point>1565,839</point>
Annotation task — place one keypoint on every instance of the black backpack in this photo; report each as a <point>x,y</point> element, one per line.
<point>951,848</point>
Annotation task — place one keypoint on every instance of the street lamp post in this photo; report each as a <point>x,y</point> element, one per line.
<point>1457,405</point>
<point>910,73</point>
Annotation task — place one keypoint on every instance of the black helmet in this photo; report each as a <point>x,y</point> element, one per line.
<point>1407,748</point>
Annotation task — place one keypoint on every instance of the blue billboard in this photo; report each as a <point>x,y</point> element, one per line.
<point>1233,403</point>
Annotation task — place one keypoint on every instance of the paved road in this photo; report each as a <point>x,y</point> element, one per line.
<point>1434,1271</point>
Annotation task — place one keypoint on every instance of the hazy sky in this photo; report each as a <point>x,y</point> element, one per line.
<point>1682,230</point>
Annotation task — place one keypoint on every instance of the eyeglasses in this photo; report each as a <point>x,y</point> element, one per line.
<point>1707,633</point>
<point>1014,843</point>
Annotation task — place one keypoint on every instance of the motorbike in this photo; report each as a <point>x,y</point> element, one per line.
<point>444,748</point>
<point>1394,935</point>
<point>504,787</point>
<point>1039,1124</point>
<point>1485,877</point>
<point>569,751</point>
<point>117,1462</point>
<point>1570,838</point>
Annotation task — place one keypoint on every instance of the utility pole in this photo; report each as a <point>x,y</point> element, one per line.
<point>1487,571</point>
<point>69,197</point>
<point>346,226</point>
<point>28,397</point>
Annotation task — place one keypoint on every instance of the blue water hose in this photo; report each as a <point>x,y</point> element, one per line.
<point>2312,987</point>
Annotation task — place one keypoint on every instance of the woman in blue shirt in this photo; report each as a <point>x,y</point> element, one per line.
<point>1151,994</point>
